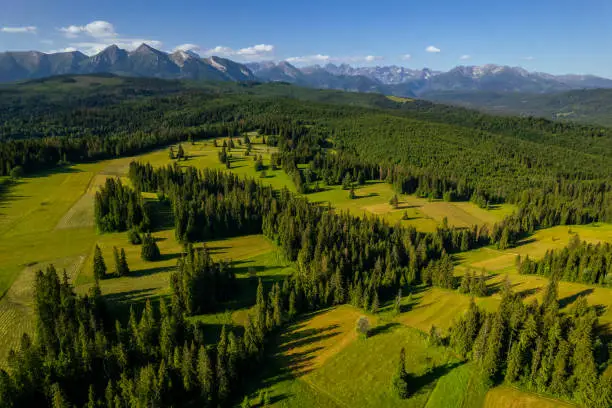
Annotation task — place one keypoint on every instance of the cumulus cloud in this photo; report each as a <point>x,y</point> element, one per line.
<point>96,36</point>
<point>67,49</point>
<point>321,59</point>
<point>406,57</point>
<point>96,29</point>
<point>309,59</point>
<point>465,57</point>
<point>432,49</point>
<point>19,30</point>
<point>253,53</point>
<point>187,47</point>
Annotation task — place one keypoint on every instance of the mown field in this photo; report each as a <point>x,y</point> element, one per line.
<point>49,219</point>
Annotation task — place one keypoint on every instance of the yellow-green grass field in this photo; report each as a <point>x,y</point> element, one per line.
<point>510,397</point>
<point>371,199</point>
<point>440,307</point>
<point>320,361</point>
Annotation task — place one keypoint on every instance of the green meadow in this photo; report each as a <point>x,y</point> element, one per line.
<point>48,218</point>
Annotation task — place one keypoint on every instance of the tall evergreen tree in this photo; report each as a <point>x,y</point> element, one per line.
<point>99,266</point>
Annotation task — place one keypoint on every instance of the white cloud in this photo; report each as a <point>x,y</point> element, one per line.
<point>256,50</point>
<point>372,58</point>
<point>67,49</point>
<point>406,57</point>
<point>528,58</point>
<point>187,47</point>
<point>48,42</point>
<point>19,30</point>
<point>323,59</point>
<point>432,48</point>
<point>253,53</point>
<point>465,57</point>
<point>96,29</point>
<point>96,36</point>
<point>309,59</point>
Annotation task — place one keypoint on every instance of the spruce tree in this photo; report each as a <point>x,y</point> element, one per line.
<point>125,269</point>
<point>99,267</point>
<point>399,381</point>
<point>149,250</point>
<point>117,259</point>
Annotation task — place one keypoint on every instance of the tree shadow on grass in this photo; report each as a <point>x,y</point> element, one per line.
<point>149,271</point>
<point>427,380</point>
<point>568,300</point>
<point>383,328</point>
<point>523,294</point>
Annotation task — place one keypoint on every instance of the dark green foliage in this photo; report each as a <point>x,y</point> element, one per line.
<point>536,346</point>
<point>578,262</point>
<point>121,265</point>
<point>119,208</point>
<point>149,250</point>
<point>472,284</point>
<point>134,237</point>
<point>80,359</point>
<point>99,266</point>
<point>399,381</point>
<point>200,284</point>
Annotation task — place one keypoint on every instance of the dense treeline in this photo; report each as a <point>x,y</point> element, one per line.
<point>538,347</point>
<point>496,156</point>
<point>79,357</point>
<point>335,253</point>
<point>578,262</point>
<point>200,284</point>
<point>119,208</point>
<point>207,203</point>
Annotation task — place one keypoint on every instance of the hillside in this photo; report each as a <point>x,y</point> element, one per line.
<point>592,106</point>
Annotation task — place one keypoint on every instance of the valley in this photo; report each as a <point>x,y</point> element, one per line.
<point>281,227</point>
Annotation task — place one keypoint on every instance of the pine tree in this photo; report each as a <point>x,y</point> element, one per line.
<point>399,381</point>
<point>223,380</point>
<point>352,195</point>
<point>134,237</point>
<point>292,304</point>
<point>125,269</point>
<point>375,303</point>
<point>99,267</point>
<point>277,306</point>
<point>206,375</point>
<point>150,250</point>
<point>397,305</point>
<point>117,259</point>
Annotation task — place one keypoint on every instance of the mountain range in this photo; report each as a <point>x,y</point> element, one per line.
<point>143,61</point>
<point>146,61</point>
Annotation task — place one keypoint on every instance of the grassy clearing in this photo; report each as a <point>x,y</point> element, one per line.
<point>423,214</point>
<point>372,198</point>
<point>321,362</point>
<point>510,397</point>
<point>459,388</point>
<point>203,154</point>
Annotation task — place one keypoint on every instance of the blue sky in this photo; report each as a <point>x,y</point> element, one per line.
<point>562,36</point>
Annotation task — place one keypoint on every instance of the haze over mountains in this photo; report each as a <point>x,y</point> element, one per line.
<point>394,80</point>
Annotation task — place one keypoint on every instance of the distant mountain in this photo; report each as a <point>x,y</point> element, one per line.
<point>145,61</point>
<point>451,86</point>
<point>401,81</point>
<point>315,77</point>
